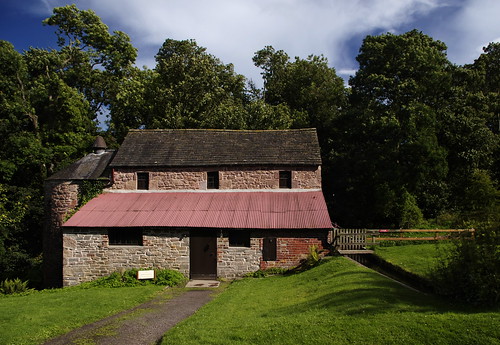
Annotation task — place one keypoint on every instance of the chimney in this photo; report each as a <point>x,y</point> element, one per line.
<point>99,145</point>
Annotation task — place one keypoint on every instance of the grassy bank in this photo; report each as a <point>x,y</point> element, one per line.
<point>42,315</point>
<point>338,302</point>
<point>419,259</point>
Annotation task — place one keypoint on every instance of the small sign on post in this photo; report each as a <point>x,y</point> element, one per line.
<point>146,274</point>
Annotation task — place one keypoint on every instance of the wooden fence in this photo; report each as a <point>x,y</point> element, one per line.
<point>357,241</point>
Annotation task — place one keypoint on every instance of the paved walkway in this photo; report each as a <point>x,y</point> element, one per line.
<point>142,325</point>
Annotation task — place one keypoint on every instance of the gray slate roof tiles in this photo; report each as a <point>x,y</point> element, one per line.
<point>214,147</point>
<point>90,167</point>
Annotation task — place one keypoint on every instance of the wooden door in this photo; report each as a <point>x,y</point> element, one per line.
<point>203,254</point>
<point>269,249</point>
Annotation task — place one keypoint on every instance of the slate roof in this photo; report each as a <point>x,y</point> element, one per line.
<point>214,147</point>
<point>90,167</point>
<point>223,209</point>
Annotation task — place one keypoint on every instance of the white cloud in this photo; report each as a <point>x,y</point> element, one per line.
<point>472,28</point>
<point>234,30</point>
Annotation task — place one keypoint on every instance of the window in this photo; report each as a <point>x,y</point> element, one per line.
<point>269,249</point>
<point>213,180</point>
<point>285,179</point>
<point>239,238</point>
<point>143,180</point>
<point>125,237</point>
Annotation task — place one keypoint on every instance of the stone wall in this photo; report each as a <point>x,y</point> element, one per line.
<point>292,246</point>
<point>88,255</point>
<point>236,261</point>
<point>61,198</point>
<point>196,179</point>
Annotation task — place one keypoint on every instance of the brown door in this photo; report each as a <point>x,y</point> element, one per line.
<point>203,254</point>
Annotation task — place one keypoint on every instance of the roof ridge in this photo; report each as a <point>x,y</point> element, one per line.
<point>222,130</point>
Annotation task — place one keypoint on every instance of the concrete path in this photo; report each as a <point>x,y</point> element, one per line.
<point>142,325</point>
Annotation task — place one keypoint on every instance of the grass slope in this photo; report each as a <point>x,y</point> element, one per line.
<point>37,317</point>
<point>419,259</point>
<point>338,302</point>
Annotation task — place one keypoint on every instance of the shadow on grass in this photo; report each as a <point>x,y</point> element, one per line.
<point>362,291</point>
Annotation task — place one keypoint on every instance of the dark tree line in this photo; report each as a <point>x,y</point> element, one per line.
<point>413,140</point>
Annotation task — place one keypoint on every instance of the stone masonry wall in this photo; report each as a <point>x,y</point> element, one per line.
<point>236,261</point>
<point>243,178</point>
<point>88,255</point>
<point>60,199</point>
<point>292,247</point>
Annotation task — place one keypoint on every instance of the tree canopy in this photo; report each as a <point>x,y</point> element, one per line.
<point>413,139</point>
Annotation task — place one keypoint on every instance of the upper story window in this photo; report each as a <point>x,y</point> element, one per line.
<point>213,180</point>
<point>143,180</point>
<point>285,179</point>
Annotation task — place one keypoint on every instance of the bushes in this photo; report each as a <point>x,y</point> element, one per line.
<point>471,270</point>
<point>129,278</point>
<point>14,286</point>
<point>266,272</point>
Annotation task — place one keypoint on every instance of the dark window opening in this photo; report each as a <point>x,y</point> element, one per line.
<point>285,179</point>
<point>269,249</point>
<point>239,238</point>
<point>143,180</point>
<point>125,237</point>
<point>213,180</point>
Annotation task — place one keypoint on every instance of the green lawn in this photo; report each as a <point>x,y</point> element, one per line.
<point>338,302</point>
<point>37,317</point>
<point>415,258</point>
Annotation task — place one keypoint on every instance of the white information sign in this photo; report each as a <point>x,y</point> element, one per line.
<point>148,274</point>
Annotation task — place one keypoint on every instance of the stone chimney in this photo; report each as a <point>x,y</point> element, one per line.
<point>99,145</point>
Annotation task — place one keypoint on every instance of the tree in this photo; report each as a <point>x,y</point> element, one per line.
<point>91,59</point>
<point>390,133</point>
<point>309,87</point>
<point>313,93</point>
<point>49,100</point>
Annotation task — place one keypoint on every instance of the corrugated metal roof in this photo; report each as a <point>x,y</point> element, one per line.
<point>244,210</point>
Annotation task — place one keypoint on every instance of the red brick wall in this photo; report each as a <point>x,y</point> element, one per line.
<point>293,246</point>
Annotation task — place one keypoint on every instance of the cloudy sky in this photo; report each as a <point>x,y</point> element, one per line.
<point>233,30</point>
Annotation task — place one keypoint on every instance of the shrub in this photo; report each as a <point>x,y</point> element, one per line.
<point>409,213</point>
<point>471,270</point>
<point>266,272</point>
<point>14,286</point>
<point>313,259</point>
<point>128,278</point>
<point>169,278</point>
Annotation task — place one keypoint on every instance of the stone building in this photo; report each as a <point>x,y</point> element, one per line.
<point>209,203</point>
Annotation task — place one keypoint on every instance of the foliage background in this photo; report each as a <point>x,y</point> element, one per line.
<point>412,141</point>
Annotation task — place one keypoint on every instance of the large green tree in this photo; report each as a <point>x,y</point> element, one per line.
<point>390,144</point>
<point>49,101</point>
<point>91,59</point>
<point>470,131</point>
<point>188,88</point>
<point>309,87</point>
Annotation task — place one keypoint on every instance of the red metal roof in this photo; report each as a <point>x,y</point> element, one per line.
<point>243,210</point>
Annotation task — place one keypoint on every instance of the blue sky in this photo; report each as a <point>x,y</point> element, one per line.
<point>233,30</point>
